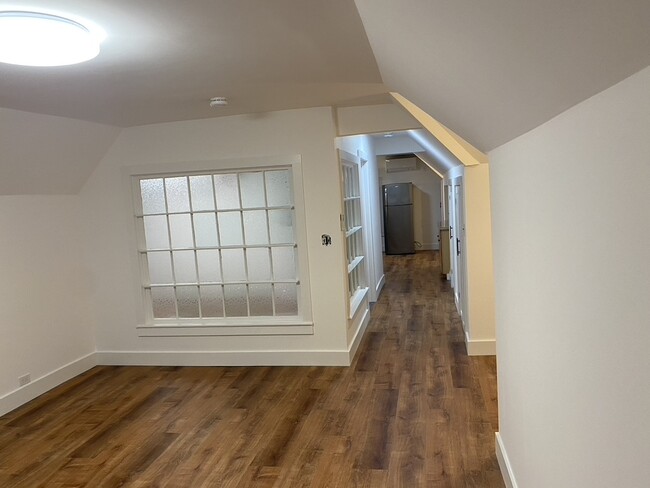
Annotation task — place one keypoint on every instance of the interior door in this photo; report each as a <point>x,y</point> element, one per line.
<point>353,228</point>
<point>458,247</point>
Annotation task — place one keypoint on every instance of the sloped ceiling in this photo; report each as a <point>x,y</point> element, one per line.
<point>46,155</point>
<point>491,71</point>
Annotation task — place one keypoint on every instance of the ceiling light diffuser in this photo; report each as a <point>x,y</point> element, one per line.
<point>38,39</point>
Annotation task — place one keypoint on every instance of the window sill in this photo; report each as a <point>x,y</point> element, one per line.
<point>253,327</point>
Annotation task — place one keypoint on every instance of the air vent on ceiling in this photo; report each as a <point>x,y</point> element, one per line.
<point>401,162</point>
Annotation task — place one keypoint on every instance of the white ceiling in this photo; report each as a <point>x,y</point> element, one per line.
<point>491,71</point>
<point>163,60</point>
<point>394,143</point>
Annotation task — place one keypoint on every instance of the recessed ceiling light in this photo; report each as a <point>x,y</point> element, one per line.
<point>39,39</point>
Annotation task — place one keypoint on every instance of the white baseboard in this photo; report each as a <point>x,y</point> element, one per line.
<point>24,394</point>
<point>223,358</point>
<point>504,463</point>
<point>356,340</point>
<point>480,347</point>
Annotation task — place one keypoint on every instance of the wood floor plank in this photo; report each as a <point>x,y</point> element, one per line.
<point>413,410</point>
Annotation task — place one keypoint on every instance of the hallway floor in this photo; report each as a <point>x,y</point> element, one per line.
<point>412,411</point>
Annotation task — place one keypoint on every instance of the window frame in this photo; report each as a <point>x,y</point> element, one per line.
<point>147,326</point>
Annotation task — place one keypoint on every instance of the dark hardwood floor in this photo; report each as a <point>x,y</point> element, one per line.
<point>413,410</point>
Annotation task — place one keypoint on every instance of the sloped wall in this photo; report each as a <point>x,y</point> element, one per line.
<point>47,155</point>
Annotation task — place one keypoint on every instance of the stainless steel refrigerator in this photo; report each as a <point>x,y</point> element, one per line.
<point>398,218</point>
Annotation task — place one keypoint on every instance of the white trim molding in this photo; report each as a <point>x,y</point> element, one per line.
<point>223,330</point>
<point>504,463</point>
<point>480,347</point>
<point>24,394</point>
<point>224,358</point>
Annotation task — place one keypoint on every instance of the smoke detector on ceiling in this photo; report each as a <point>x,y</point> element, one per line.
<point>218,101</point>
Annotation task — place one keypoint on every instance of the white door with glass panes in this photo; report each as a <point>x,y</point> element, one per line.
<point>355,245</point>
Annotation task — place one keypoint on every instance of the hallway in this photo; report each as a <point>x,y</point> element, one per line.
<point>412,410</point>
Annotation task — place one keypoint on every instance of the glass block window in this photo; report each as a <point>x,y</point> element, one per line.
<point>218,245</point>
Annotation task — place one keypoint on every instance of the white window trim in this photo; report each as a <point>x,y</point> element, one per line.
<point>237,326</point>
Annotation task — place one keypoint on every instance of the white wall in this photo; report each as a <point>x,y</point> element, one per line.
<point>571,216</point>
<point>47,155</point>
<point>480,270</point>
<point>373,118</point>
<point>309,133</point>
<point>477,283</point>
<point>426,200</point>
<point>44,313</point>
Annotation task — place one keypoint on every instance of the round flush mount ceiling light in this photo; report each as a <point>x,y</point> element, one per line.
<point>39,39</point>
